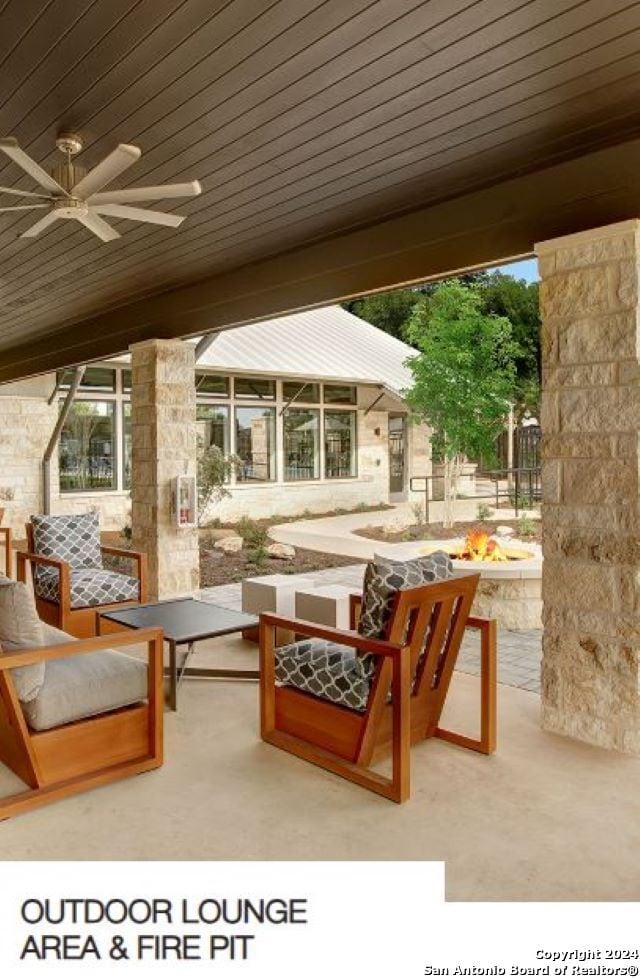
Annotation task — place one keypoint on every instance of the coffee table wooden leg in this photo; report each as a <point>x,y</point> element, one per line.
<point>173,677</point>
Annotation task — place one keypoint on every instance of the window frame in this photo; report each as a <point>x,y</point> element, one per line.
<point>314,410</point>
<point>354,448</point>
<point>280,405</point>
<point>116,442</point>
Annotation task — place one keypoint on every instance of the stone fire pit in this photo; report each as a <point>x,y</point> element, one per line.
<point>509,591</point>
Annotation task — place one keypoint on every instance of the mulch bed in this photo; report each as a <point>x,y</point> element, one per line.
<point>436,531</point>
<point>219,568</point>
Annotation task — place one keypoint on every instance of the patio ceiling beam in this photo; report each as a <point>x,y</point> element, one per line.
<point>495,224</point>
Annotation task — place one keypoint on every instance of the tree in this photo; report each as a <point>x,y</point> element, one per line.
<point>389,311</point>
<point>518,301</point>
<point>464,376</point>
<point>213,471</point>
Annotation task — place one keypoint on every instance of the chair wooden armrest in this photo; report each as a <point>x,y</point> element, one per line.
<point>488,628</point>
<point>374,646</point>
<point>140,560</point>
<point>64,576</point>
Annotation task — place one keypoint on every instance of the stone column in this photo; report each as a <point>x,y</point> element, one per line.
<point>591,515</point>
<point>163,435</point>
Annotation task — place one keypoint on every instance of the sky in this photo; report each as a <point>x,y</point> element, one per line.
<point>527,270</point>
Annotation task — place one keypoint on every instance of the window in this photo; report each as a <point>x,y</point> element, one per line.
<point>126,445</point>
<point>301,444</point>
<point>86,451</point>
<point>339,394</point>
<point>339,444</point>
<point>209,385</point>
<point>302,391</point>
<point>213,425</point>
<point>126,380</point>
<point>255,444</point>
<point>255,388</point>
<point>95,379</point>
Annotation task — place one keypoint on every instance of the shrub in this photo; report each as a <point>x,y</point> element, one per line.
<point>484,512</point>
<point>526,526</point>
<point>213,471</point>
<point>254,535</point>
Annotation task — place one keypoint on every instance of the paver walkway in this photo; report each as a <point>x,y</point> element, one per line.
<point>519,653</point>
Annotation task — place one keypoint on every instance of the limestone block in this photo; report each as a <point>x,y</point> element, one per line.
<point>281,551</point>
<point>609,337</point>
<point>229,545</point>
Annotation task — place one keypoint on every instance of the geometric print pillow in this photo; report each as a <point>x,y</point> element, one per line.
<point>384,577</point>
<point>75,539</point>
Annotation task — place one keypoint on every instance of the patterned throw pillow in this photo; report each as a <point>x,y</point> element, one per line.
<point>75,539</point>
<point>384,577</point>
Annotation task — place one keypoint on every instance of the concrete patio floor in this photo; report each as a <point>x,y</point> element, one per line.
<point>533,822</point>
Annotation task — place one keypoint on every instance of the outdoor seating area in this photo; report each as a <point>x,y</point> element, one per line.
<point>78,712</point>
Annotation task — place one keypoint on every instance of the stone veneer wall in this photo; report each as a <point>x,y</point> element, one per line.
<point>591,520</point>
<point>163,433</point>
<point>27,423</point>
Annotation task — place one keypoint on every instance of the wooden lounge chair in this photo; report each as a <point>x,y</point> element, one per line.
<point>67,588</point>
<point>406,694</point>
<point>77,754</point>
<point>5,536</point>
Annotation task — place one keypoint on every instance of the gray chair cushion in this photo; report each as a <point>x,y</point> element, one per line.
<point>20,628</point>
<point>384,577</point>
<point>75,539</point>
<point>84,686</point>
<point>327,670</point>
<point>89,586</point>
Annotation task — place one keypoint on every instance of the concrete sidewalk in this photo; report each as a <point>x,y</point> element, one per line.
<point>336,534</point>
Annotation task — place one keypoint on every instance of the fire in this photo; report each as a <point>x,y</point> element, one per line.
<point>480,546</point>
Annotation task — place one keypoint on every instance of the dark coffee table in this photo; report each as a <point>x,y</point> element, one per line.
<point>186,621</point>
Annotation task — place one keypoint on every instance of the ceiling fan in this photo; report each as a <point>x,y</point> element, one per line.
<point>74,194</point>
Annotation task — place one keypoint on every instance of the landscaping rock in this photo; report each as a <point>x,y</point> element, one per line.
<point>505,531</point>
<point>281,551</point>
<point>229,545</point>
<point>217,533</point>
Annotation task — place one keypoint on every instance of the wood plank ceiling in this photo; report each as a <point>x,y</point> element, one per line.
<point>303,119</point>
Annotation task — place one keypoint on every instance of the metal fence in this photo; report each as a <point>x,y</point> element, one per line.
<point>521,486</point>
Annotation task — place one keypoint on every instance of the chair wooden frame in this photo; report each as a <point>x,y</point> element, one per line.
<point>78,756</point>
<point>347,742</point>
<point>80,622</point>
<point>5,531</point>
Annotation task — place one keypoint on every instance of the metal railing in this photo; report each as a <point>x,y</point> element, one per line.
<point>523,488</point>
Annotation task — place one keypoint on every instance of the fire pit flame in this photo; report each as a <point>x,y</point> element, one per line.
<point>478,545</point>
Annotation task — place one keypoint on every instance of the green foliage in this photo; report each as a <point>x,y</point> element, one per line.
<point>526,526</point>
<point>258,558</point>
<point>500,295</point>
<point>389,311</point>
<point>464,374</point>
<point>484,512</point>
<point>213,471</point>
<point>254,535</point>
<point>418,513</point>
<point>517,301</point>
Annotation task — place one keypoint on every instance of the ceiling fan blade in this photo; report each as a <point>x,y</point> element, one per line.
<point>40,225</point>
<point>99,227</point>
<point>122,157</point>
<point>24,207</point>
<point>13,151</point>
<point>138,214</point>
<point>22,193</point>
<point>132,194</point>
